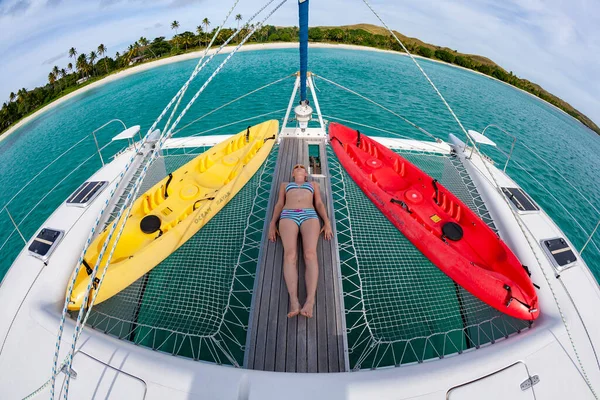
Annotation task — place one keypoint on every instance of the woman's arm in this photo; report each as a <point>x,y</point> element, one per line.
<point>276,213</point>
<point>322,210</point>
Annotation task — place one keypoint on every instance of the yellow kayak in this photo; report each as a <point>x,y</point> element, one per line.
<point>171,212</point>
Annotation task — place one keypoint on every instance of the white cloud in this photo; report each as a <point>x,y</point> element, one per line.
<point>551,42</point>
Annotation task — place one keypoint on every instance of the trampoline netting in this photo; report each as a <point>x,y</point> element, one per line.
<point>399,307</point>
<point>196,303</point>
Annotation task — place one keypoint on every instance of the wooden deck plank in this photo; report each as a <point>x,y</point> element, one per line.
<point>321,318</point>
<point>276,311</point>
<point>282,322</point>
<point>301,339</point>
<point>262,295</point>
<point>312,347</point>
<point>342,356</point>
<point>275,342</point>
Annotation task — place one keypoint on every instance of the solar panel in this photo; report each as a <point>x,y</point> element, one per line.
<point>44,243</point>
<point>520,199</point>
<point>86,193</point>
<point>559,252</point>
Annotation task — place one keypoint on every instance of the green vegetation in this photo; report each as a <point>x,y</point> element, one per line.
<point>90,68</point>
<point>375,36</point>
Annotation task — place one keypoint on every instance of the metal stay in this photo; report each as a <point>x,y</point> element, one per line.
<point>303,114</point>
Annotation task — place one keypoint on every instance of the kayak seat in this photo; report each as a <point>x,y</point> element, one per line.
<point>388,180</point>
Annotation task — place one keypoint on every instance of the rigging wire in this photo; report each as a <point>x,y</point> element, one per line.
<point>197,69</point>
<point>128,204</point>
<point>523,228</point>
<point>202,59</point>
<point>233,123</point>
<point>220,67</point>
<point>420,69</point>
<point>233,101</point>
<point>380,106</point>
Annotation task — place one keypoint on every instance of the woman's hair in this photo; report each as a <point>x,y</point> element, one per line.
<point>300,166</point>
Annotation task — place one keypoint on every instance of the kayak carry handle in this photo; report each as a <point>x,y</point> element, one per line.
<point>437,192</point>
<point>358,138</point>
<point>402,204</point>
<point>167,186</point>
<point>248,134</point>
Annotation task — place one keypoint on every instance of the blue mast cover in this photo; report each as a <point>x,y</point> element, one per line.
<point>303,11</point>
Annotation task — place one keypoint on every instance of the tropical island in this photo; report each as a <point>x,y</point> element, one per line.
<point>92,66</point>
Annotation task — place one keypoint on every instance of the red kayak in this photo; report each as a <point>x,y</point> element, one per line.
<point>441,226</point>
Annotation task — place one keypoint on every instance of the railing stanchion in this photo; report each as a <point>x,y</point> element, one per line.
<point>15,224</point>
<point>510,154</point>
<point>589,238</point>
<point>98,148</point>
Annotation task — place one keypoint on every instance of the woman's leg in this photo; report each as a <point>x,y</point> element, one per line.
<point>288,230</point>
<point>310,230</point>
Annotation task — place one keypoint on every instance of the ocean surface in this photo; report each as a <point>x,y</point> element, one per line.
<point>569,148</point>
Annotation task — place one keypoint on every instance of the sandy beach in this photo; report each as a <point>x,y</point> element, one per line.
<point>198,54</point>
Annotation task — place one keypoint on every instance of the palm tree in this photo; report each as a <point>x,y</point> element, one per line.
<point>72,52</point>
<point>55,72</point>
<point>12,96</point>
<point>101,52</point>
<point>187,39</point>
<point>70,67</point>
<point>82,64</point>
<point>175,25</point>
<point>21,94</point>
<point>206,24</point>
<point>199,31</point>
<point>51,78</point>
<point>92,57</point>
<point>238,18</point>
<point>130,53</point>
<point>177,41</point>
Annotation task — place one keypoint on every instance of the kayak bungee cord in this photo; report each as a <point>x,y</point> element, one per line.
<point>163,138</point>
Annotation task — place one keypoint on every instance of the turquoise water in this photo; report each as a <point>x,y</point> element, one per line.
<point>390,79</point>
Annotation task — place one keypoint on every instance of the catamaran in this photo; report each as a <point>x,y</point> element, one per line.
<point>155,279</point>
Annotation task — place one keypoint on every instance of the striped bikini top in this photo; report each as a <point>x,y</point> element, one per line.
<point>294,185</point>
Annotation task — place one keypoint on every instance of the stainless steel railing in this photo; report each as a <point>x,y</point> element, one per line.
<point>589,235</point>
<point>16,202</point>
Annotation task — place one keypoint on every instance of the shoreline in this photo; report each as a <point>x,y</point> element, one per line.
<point>227,50</point>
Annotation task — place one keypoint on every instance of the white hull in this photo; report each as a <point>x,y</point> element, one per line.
<point>32,296</point>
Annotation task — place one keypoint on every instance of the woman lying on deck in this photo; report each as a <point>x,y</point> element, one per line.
<point>295,212</point>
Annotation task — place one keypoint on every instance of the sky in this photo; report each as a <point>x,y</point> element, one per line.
<point>555,43</point>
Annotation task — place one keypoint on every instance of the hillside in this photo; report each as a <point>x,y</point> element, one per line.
<point>377,36</point>
<point>69,78</point>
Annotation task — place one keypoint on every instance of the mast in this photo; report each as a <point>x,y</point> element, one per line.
<point>303,13</point>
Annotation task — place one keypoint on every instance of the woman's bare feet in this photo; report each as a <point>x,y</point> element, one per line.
<point>294,308</point>
<point>307,310</point>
